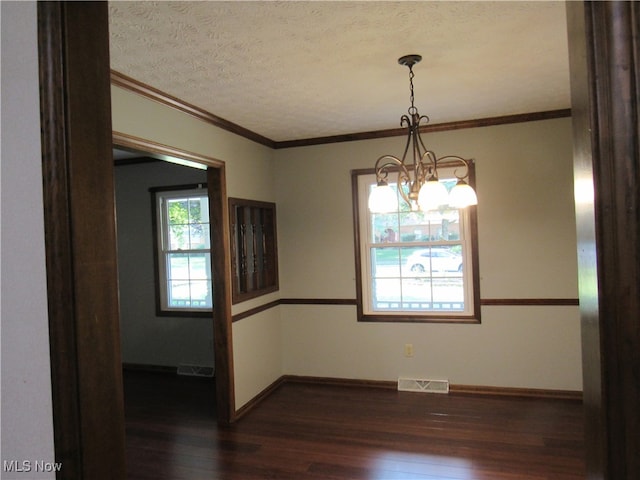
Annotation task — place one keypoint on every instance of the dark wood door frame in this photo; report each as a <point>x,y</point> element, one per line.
<point>604,45</point>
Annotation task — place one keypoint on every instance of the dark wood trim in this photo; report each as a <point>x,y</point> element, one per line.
<point>161,151</point>
<point>355,214</point>
<point>79,219</point>
<point>571,395</point>
<point>342,382</point>
<point>501,302</point>
<point>512,302</point>
<point>221,272</point>
<point>255,401</point>
<point>253,311</point>
<point>466,320</point>
<point>436,127</point>
<point>120,80</point>
<point>293,301</point>
<point>58,244</point>
<point>318,301</point>
<point>604,53</point>
<point>176,188</point>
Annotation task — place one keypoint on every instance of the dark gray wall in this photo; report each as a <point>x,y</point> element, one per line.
<point>147,338</point>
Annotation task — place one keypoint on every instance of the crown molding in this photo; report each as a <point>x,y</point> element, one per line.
<point>436,127</point>
<point>120,80</point>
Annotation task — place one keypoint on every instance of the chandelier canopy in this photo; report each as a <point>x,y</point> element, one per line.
<point>422,188</point>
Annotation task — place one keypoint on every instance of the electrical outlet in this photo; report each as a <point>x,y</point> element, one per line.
<point>408,350</point>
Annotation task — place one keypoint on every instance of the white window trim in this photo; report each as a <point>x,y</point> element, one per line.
<point>162,238</point>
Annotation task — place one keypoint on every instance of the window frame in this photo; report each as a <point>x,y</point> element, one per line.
<point>261,243</point>
<point>162,308</point>
<point>362,267</point>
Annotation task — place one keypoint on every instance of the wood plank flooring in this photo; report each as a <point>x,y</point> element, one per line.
<point>332,432</point>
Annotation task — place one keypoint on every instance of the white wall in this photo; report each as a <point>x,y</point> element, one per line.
<point>27,425</point>
<point>526,246</point>
<point>257,355</point>
<point>147,338</point>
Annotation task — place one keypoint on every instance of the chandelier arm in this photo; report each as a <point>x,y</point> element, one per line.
<point>430,166</point>
<point>425,170</point>
<point>456,158</point>
<point>386,162</point>
<point>405,121</point>
<point>418,166</point>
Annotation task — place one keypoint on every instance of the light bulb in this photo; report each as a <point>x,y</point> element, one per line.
<point>383,199</point>
<point>432,195</point>
<point>462,195</point>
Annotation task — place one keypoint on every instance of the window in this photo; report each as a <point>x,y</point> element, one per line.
<point>183,251</point>
<point>254,262</point>
<point>415,266</point>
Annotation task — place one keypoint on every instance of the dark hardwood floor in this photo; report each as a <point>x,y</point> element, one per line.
<point>330,432</point>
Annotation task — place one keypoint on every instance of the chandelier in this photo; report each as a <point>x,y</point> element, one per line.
<point>418,183</point>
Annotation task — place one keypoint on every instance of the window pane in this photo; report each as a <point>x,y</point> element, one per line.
<point>195,210</point>
<point>426,261</point>
<point>178,293</point>
<point>384,227</point>
<point>178,213</point>
<point>199,266</point>
<point>200,293</point>
<point>189,294</point>
<point>199,236</point>
<point>385,262</point>
<point>188,284</point>
<point>416,293</point>
<point>178,266</point>
<point>179,237</point>
<point>445,225</point>
<point>387,294</point>
<point>448,293</point>
<point>415,227</point>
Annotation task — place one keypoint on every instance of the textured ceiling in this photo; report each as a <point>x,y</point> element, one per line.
<point>304,69</point>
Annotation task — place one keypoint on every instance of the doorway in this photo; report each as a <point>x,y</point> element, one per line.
<point>152,339</point>
<point>183,166</point>
<point>167,358</point>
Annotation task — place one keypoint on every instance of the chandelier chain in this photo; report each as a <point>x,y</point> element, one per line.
<point>412,109</point>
